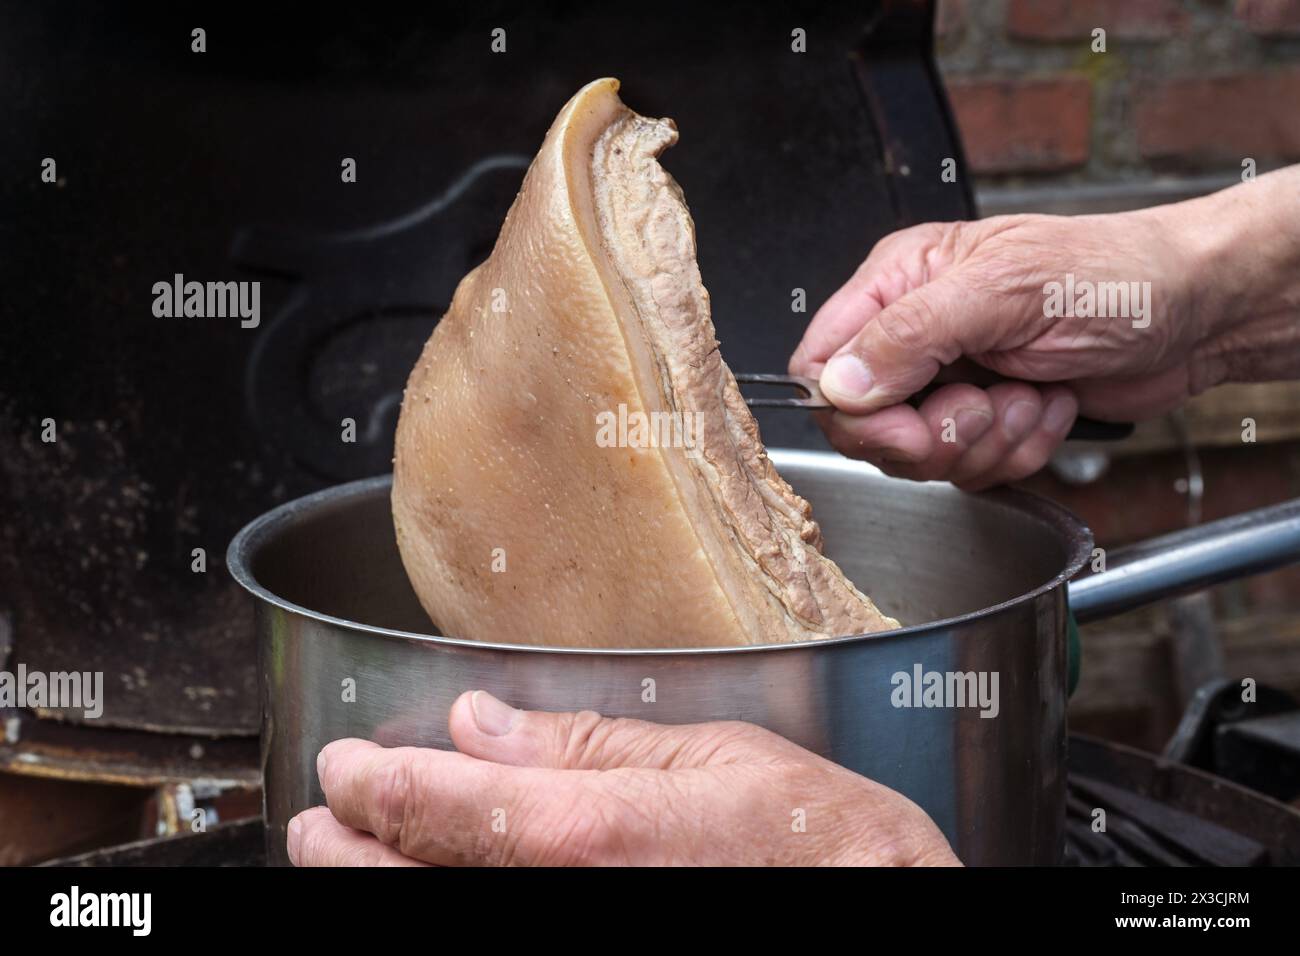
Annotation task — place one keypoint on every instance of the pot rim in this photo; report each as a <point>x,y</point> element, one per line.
<point>1077,534</point>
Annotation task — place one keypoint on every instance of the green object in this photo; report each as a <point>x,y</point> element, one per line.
<point>1074,653</point>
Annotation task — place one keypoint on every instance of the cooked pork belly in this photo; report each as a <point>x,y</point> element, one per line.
<point>575,465</point>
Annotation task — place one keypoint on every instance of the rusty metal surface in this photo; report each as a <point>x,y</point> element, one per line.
<point>48,748</point>
<point>226,844</point>
<point>43,817</point>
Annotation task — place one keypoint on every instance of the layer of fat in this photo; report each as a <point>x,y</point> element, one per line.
<point>759,535</point>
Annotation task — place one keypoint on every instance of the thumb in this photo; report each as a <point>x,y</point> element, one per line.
<point>902,348</point>
<point>486,728</point>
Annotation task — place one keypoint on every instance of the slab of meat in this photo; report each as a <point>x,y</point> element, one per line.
<point>575,465</point>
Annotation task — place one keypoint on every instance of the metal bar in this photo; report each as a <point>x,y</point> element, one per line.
<point>810,393</point>
<point>1173,564</point>
<point>908,109</point>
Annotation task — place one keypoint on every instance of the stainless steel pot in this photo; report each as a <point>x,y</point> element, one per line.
<point>984,577</point>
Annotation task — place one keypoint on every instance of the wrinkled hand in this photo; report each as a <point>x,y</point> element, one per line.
<point>1222,306</point>
<point>575,789</point>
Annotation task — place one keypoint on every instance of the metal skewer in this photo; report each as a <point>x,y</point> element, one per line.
<point>811,396</point>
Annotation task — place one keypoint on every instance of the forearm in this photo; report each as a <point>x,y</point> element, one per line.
<point>1243,258</point>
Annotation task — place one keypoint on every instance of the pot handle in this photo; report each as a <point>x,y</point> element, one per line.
<point>1189,560</point>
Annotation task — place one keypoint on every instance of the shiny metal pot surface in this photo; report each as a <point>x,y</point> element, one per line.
<point>981,579</point>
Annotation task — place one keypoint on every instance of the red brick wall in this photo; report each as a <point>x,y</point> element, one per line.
<point>1183,85</point>
<point>1184,92</point>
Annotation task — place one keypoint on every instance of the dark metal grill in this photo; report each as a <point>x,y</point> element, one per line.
<point>1163,813</point>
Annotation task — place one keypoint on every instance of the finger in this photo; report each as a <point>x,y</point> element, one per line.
<point>840,318</point>
<point>894,437</point>
<point>452,809</point>
<point>315,838</point>
<point>957,417</point>
<point>1017,409</point>
<point>1059,410</point>
<point>485,727</point>
<point>433,805</point>
<point>899,351</point>
<point>897,263</point>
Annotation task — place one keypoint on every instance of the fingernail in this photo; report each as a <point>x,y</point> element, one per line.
<point>1020,417</point>
<point>492,716</point>
<point>846,376</point>
<point>972,423</point>
<point>294,839</point>
<point>1059,414</point>
<point>320,767</point>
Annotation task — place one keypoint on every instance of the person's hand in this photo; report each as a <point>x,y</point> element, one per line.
<point>1222,305</point>
<point>529,787</point>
